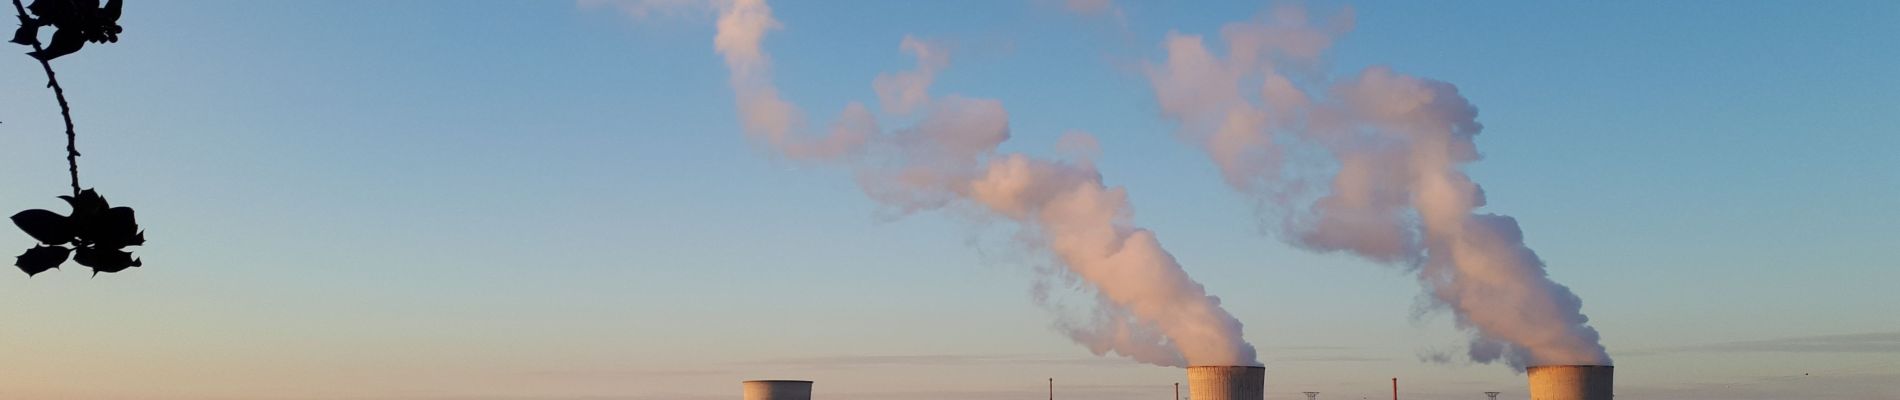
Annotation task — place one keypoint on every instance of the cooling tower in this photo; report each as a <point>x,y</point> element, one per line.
<point>1571,382</point>
<point>777,390</point>
<point>1226,383</point>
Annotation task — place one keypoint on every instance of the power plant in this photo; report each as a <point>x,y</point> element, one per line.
<point>1385,155</point>
<point>777,390</point>
<point>1209,382</point>
<point>1223,382</point>
<point>1571,382</point>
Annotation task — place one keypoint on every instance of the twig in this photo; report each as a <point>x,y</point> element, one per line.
<point>72,139</point>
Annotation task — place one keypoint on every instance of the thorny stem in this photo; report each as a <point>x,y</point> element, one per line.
<point>72,139</point>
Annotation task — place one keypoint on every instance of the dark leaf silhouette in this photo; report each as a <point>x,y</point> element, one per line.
<point>29,32</point>
<point>108,28</point>
<point>98,232</point>
<point>115,228</point>
<point>45,226</point>
<point>105,260</point>
<point>41,258</point>
<point>76,22</point>
<point>87,203</point>
<point>98,223</point>
<point>65,41</point>
<point>52,12</point>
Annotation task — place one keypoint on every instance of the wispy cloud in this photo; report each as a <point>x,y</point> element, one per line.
<point>933,360</point>
<point>658,396</point>
<point>1062,390</point>
<point>1333,359</point>
<point>649,8</point>
<point>1309,348</point>
<point>1827,386</point>
<point>625,373</point>
<point>1094,8</point>
<point>1881,342</point>
<point>1312,354</point>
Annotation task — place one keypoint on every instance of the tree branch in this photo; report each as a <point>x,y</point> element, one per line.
<point>66,111</point>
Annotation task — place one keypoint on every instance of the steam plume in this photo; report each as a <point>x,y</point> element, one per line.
<point>1370,164</point>
<point>1147,307</point>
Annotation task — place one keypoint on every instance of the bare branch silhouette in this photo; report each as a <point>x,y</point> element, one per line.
<point>65,110</point>
<point>97,231</point>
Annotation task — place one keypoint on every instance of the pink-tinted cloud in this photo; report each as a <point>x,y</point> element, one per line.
<point>1369,164</point>
<point>1146,307</point>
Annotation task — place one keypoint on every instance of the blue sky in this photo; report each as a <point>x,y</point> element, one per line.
<point>538,200</point>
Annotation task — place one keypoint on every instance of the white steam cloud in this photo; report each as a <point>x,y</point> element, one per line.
<point>1370,164</point>
<point>1147,308</point>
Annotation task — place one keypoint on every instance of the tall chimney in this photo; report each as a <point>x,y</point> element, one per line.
<point>777,390</point>
<point>1209,382</point>
<point>1571,382</point>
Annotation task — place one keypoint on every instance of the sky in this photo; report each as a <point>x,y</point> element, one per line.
<point>557,200</point>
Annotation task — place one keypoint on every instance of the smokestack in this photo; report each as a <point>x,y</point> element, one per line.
<point>1571,382</point>
<point>777,390</point>
<point>1227,383</point>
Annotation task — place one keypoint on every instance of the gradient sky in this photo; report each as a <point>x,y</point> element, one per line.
<point>540,200</point>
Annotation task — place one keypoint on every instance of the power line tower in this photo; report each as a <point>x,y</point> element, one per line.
<point>1494,395</point>
<point>1311,395</point>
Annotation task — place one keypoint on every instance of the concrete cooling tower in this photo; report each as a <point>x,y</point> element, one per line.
<point>1227,383</point>
<point>777,390</point>
<point>1571,382</point>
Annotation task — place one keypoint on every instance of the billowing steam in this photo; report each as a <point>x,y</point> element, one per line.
<point>1147,308</point>
<point>1370,164</point>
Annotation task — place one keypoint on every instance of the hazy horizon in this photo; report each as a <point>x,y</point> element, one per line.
<point>564,200</point>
